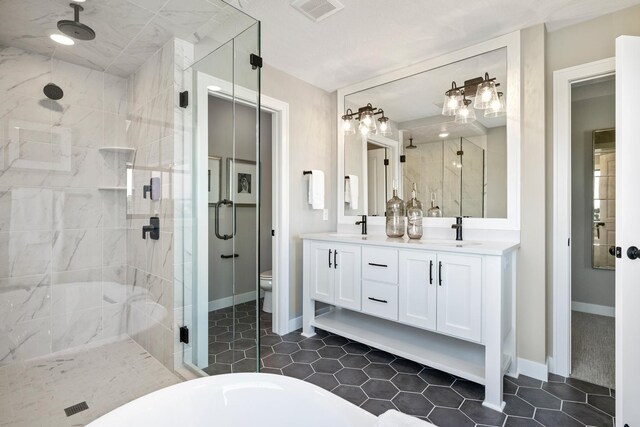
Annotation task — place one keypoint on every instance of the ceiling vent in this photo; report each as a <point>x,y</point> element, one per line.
<point>317,10</point>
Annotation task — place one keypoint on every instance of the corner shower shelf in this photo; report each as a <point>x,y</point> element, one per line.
<point>117,149</point>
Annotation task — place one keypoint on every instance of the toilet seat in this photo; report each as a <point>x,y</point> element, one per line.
<point>266,275</point>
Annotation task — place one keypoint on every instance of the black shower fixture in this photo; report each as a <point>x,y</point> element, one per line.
<point>410,146</point>
<point>53,91</point>
<point>74,28</point>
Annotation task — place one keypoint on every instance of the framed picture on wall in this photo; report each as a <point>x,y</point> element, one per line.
<point>242,182</point>
<point>214,179</point>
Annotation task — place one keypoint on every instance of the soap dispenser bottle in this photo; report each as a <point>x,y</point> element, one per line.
<point>414,216</point>
<point>396,214</point>
<point>434,211</point>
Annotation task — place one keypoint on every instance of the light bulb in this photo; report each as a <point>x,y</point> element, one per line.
<point>367,120</point>
<point>453,102</point>
<point>384,126</point>
<point>464,111</point>
<point>495,104</point>
<point>363,128</point>
<point>443,134</point>
<point>486,95</point>
<point>59,38</point>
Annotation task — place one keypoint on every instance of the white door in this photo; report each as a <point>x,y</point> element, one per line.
<point>347,264</point>
<point>322,272</point>
<point>418,288</point>
<point>376,187</point>
<point>460,296</point>
<point>627,231</point>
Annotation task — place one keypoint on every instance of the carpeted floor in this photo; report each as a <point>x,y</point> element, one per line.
<point>593,348</point>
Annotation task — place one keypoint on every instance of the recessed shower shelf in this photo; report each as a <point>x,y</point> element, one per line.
<point>112,188</point>
<point>117,149</point>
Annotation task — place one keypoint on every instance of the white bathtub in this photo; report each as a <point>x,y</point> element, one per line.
<point>239,400</point>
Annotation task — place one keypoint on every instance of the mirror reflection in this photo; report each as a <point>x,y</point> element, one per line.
<point>604,198</point>
<point>443,131</point>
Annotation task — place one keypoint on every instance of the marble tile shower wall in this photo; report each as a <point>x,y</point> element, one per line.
<point>62,237</point>
<point>156,134</point>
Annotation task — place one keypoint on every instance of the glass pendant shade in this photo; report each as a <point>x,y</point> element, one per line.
<point>347,126</point>
<point>466,113</point>
<point>452,103</point>
<point>496,109</point>
<point>485,95</point>
<point>363,129</point>
<point>384,128</point>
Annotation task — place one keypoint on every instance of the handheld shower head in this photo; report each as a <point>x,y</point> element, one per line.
<point>74,28</point>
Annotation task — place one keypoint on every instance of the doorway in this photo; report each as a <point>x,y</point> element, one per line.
<point>584,223</point>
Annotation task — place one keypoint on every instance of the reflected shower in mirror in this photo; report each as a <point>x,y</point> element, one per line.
<point>604,198</point>
<point>455,151</point>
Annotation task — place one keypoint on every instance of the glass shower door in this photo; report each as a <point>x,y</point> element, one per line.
<point>221,303</point>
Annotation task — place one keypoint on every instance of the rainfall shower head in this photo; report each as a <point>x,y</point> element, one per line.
<point>74,28</point>
<point>53,91</point>
<point>410,146</point>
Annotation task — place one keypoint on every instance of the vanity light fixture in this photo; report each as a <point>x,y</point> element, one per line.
<point>366,116</point>
<point>496,108</point>
<point>483,89</point>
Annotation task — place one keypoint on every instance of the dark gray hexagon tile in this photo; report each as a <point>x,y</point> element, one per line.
<point>551,418</point>
<point>331,352</point>
<point>286,348</point>
<point>525,381</point>
<point>565,392</point>
<point>326,381</point>
<point>588,387</point>
<point>587,414</point>
<point>277,360</point>
<point>436,377</point>
<point>271,371</point>
<point>443,396</point>
<point>606,404</point>
<point>409,382</point>
<point>553,378</point>
<point>225,322</point>
<point>335,340</point>
<point>406,366</point>
<point>517,407</point>
<point>446,417</point>
<point>265,350</point>
<point>480,414</point>
<point>293,337</point>
<point>354,361</point>
<point>353,394</point>
<point>380,389</point>
<point>305,356</point>
<point>326,366</point>
<point>377,406</point>
<point>243,327</point>
<point>356,348</point>
<point>311,344</point>
<point>244,365</point>
<point>229,356</point>
<point>351,376</point>
<point>379,356</point>
<point>217,330</point>
<point>298,370</point>
<point>270,340</point>
<point>539,398</point>
<point>413,404</point>
<point>243,344</point>
<point>217,369</point>
<point>468,389</point>
<point>521,422</point>
<point>218,347</point>
<point>380,371</point>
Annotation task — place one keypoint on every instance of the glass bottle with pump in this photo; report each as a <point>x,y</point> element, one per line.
<point>434,211</point>
<point>414,216</point>
<point>396,214</point>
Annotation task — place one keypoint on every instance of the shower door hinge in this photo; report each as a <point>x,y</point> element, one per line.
<point>255,61</point>
<point>184,334</point>
<point>184,99</point>
<point>386,162</point>
<point>403,158</point>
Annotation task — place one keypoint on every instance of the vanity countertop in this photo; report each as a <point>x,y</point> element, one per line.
<point>465,246</point>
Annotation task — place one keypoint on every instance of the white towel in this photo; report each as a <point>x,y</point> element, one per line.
<point>351,191</point>
<point>393,418</point>
<point>316,189</point>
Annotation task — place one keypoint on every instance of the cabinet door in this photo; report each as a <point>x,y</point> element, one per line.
<point>418,288</point>
<point>460,296</point>
<point>348,269</point>
<point>321,272</point>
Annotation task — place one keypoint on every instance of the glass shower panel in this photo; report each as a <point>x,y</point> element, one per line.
<point>472,176</point>
<point>451,178</point>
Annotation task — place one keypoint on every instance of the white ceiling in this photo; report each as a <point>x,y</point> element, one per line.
<point>128,32</point>
<point>371,37</point>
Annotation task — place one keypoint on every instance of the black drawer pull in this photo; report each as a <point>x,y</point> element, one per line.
<point>330,257</point>
<point>335,259</point>
<point>378,300</point>
<point>431,272</point>
<point>440,273</point>
<point>378,265</point>
<point>229,256</point>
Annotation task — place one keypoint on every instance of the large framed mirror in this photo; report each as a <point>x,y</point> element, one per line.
<point>398,131</point>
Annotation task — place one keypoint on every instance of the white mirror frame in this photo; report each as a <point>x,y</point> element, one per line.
<point>512,43</point>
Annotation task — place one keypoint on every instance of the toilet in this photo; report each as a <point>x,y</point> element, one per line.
<point>266,284</point>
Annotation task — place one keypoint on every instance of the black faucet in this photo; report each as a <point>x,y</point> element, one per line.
<point>363,222</point>
<point>153,229</point>
<point>458,227</point>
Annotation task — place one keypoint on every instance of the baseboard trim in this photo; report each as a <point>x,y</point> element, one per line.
<point>602,310</point>
<point>539,371</point>
<point>296,322</point>
<point>229,301</point>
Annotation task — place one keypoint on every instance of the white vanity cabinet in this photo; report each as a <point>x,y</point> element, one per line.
<point>334,274</point>
<point>445,304</point>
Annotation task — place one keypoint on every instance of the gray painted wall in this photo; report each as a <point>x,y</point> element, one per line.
<point>588,285</point>
<point>496,172</point>
<point>221,131</point>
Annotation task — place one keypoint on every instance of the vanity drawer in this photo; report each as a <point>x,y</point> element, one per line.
<point>380,264</point>
<point>380,299</point>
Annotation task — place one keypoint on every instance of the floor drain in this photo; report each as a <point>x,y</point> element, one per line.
<point>74,409</point>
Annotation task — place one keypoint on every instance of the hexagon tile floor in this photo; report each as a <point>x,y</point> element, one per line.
<point>377,381</point>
